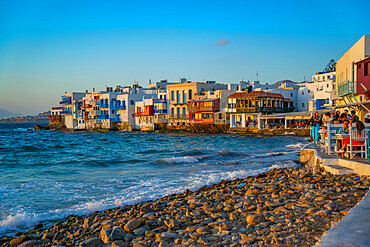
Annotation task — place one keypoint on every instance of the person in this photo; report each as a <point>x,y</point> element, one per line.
<point>345,129</point>
<point>367,117</point>
<point>347,115</point>
<point>315,121</point>
<point>343,117</point>
<point>326,118</point>
<point>360,127</point>
<point>354,118</point>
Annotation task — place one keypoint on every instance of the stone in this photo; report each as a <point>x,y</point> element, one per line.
<point>86,223</point>
<point>48,235</point>
<point>19,240</point>
<point>92,242</point>
<point>58,236</point>
<point>104,235</point>
<point>132,225</point>
<point>119,243</point>
<point>38,226</point>
<point>139,231</point>
<point>28,243</point>
<point>128,237</point>
<point>117,233</point>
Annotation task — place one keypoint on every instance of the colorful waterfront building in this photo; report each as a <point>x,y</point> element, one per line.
<point>346,84</point>
<point>203,110</point>
<point>71,105</point>
<point>363,76</point>
<point>320,91</point>
<point>179,94</point>
<point>245,108</point>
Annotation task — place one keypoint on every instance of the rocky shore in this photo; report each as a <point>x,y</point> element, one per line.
<point>282,207</point>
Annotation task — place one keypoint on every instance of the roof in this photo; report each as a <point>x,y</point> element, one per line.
<point>203,100</point>
<point>257,94</point>
<point>363,60</point>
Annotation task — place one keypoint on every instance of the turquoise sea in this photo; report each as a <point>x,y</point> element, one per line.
<point>47,175</point>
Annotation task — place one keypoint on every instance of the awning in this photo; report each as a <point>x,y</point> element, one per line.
<point>293,115</point>
<point>357,104</point>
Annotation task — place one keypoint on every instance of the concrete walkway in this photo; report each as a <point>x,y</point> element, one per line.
<point>354,229</point>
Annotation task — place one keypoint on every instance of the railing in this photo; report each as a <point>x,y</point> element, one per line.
<point>66,113</point>
<point>103,116</point>
<point>142,113</point>
<point>222,121</point>
<point>202,108</point>
<point>119,107</point>
<point>264,109</point>
<point>65,101</point>
<point>115,120</point>
<point>334,94</point>
<point>159,101</point>
<point>104,105</point>
<point>346,88</point>
<point>161,111</point>
<point>79,115</point>
<point>179,116</point>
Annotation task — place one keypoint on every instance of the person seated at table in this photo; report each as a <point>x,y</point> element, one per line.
<point>360,127</point>
<point>345,129</point>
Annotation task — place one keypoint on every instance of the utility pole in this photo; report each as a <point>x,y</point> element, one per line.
<point>257,75</point>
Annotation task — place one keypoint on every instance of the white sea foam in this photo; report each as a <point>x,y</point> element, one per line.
<point>178,160</point>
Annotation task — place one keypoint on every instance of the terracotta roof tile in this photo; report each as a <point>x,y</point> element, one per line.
<point>256,94</point>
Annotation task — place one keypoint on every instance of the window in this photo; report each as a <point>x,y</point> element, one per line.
<point>184,110</point>
<point>132,102</point>
<point>327,85</point>
<point>172,111</point>
<point>190,94</point>
<point>302,93</point>
<point>172,95</point>
<point>302,105</point>
<point>183,97</point>
<point>112,111</point>
<point>291,94</point>
<point>367,69</point>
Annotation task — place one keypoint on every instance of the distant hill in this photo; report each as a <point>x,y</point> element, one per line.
<point>6,114</point>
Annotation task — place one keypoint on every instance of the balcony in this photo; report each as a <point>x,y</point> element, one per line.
<point>103,116</point>
<point>65,101</point>
<point>199,108</point>
<point>178,116</point>
<point>79,115</point>
<point>104,105</point>
<point>264,109</point>
<point>159,101</point>
<point>346,88</point>
<point>115,120</point>
<point>160,111</point>
<point>66,112</point>
<point>119,107</point>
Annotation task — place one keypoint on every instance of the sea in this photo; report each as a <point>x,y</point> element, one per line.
<point>47,175</point>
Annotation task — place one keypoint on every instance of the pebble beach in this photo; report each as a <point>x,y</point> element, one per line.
<point>281,207</point>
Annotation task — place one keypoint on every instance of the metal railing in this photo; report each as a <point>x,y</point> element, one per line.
<point>160,111</point>
<point>346,88</point>
<point>222,121</point>
<point>119,107</point>
<point>66,112</point>
<point>103,106</point>
<point>179,116</point>
<point>264,109</point>
<point>103,116</point>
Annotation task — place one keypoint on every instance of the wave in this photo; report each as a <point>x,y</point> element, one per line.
<point>178,160</point>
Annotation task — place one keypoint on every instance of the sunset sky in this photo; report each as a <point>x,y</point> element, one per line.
<point>49,47</point>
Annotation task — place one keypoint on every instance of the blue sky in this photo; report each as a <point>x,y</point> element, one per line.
<point>49,47</point>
